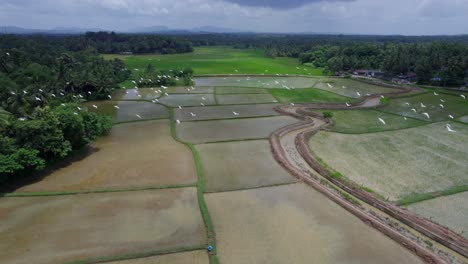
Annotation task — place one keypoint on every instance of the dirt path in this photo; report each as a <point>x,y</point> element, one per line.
<point>290,148</point>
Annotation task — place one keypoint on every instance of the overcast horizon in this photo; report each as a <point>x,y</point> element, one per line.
<point>398,17</point>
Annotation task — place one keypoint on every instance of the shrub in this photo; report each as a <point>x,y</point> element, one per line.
<point>327,114</point>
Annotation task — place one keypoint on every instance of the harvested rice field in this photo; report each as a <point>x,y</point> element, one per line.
<point>233,129</point>
<point>367,121</point>
<point>141,154</point>
<point>239,90</point>
<point>175,100</point>
<point>450,211</point>
<point>295,224</point>
<point>245,99</point>
<point>399,163</point>
<point>124,111</point>
<point>135,94</point>
<point>257,81</point>
<point>76,227</point>
<point>350,88</point>
<point>190,257</point>
<point>224,112</point>
<point>240,165</point>
<point>431,104</point>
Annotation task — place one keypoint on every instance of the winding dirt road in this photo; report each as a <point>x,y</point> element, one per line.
<point>290,148</point>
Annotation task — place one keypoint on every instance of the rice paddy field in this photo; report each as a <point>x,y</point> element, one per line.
<point>269,82</point>
<point>429,103</point>
<point>367,121</point>
<point>232,129</point>
<point>192,257</point>
<point>125,111</point>
<point>450,211</point>
<point>136,155</point>
<point>219,60</point>
<point>311,95</point>
<point>59,229</point>
<point>350,88</point>
<point>224,112</point>
<point>399,163</point>
<point>245,99</point>
<point>239,90</point>
<point>175,100</point>
<point>228,166</point>
<point>298,225</point>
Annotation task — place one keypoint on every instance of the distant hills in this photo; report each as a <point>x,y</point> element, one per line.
<point>150,29</point>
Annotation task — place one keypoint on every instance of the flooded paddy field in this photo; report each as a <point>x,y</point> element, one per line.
<point>239,90</point>
<point>245,99</point>
<point>257,81</point>
<point>189,89</point>
<point>399,163</point>
<point>128,110</point>
<point>240,165</point>
<point>135,94</point>
<point>450,211</point>
<point>140,154</point>
<point>191,257</point>
<point>350,88</point>
<point>233,129</point>
<point>224,112</point>
<point>295,224</point>
<point>58,229</point>
<point>175,100</point>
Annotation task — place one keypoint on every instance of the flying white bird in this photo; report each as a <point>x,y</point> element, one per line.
<point>405,118</point>
<point>449,128</point>
<point>463,96</point>
<point>451,116</point>
<point>53,95</point>
<point>344,87</point>
<point>40,90</point>
<point>329,85</point>
<point>442,100</point>
<point>292,104</point>
<point>38,99</point>
<point>348,105</point>
<point>426,114</point>
<point>79,108</point>
<point>358,93</point>
<point>110,96</point>
<point>25,92</point>
<point>62,94</point>
<point>441,105</point>
<point>178,121</point>
<point>436,93</point>
<point>89,93</point>
<point>116,107</point>
<point>62,104</point>
<point>407,103</point>
<point>137,115</point>
<point>13,93</point>
<point>164,87</point>
<point>414,110</point>
<point>193,114</point>
<point>95,106</point>
<point>22,118</point>
<point>382,121</point>
<point>180,107</point>
<point>235,113</point>
<point>75,113</point>
<point>202,104</point>
<point>134,82</point>
<point>422,105</point>
<point>381,96</point>
<point>166,94</point>
<point>8,54</point>
<point>203,98</point>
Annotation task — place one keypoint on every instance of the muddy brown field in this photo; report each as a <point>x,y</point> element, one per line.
<point>74,227</point>
<point>295,224</point>
<point>141,154</point>
<point>240,165</point>
<point>221,130</point>
<point>192,257</point>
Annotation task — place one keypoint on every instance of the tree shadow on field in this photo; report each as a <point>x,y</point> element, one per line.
<point>78,155</point>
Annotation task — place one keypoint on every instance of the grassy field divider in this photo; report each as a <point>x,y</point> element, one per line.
<point>419,197</point>
<point>136,255</point>
<point>211,235</point>
<point>36,194</point>
<point>233,118</point>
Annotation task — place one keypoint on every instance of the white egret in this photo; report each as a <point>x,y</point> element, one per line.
<point>348,105</point>
<point>358,94</point>
<point>436,93</point>
<point>235,113</point>
<point>329,85</point>
<point>405,118</point>
<point>193,114</point>
<point>441,105</point>
<point>381,96</point>
<point>426,114</point>
<point>203,98</point>
<point>62,94</point>
<point>414,110</point>
<point>79,108</point>
<point>451,116</point>
<point>75,113</point>
<point>22,118</point>
<point>95,106</point>
<point>463,96</point>
<point>13,93</point>
<point>382,121</point>
<point>24,92</point>
<point>180,107</point>
<point>407,103</point>
<point>422,105</point>
<point>8,54</point>
<point>166,94</point>
<point>62,104</point>
<point>292,104</point>
<point>116,107</point>
<point>40,90</point>
<point>53,95</point>
<point>449,128</point>
<point>38,99</point>
<point>442,100</point>
<point>344,87</point>
<point>202,104</point>
<point>137,115</point>
<point>110,96</point>
<point>178,121</point>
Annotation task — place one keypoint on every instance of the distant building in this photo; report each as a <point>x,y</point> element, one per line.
<point>368,73</point>
<point>409,77</point>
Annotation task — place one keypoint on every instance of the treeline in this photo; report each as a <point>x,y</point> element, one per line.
<point>434,63</point>
<point>41,86</point>
<point>151,77</point>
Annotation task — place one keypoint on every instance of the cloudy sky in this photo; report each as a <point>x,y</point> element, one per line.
<point>409,17</point>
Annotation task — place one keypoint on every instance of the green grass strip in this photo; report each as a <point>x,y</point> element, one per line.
<point>34,194</point>
<point>418,197</point>
<point>135,255</point>
<point>256,187</point>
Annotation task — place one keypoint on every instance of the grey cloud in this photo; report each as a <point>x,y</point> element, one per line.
<point>280,3</point>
